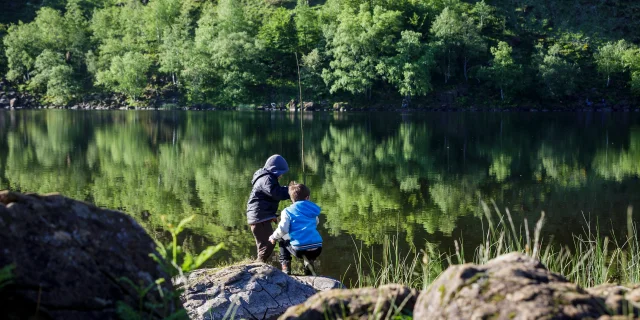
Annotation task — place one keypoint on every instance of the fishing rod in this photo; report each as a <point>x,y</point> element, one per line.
<point>304,175</point>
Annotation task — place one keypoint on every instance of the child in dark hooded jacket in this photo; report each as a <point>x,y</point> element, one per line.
<point>298,229</point>
<point>263,202</point>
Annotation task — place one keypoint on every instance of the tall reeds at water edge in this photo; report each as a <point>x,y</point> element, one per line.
<point>592,260</point>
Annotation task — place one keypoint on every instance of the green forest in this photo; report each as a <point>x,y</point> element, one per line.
<point>253,52</point>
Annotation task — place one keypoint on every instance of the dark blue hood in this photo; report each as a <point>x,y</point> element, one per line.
<point>277,165</point>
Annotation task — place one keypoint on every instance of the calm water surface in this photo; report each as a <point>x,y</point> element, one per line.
<point>417,176</point>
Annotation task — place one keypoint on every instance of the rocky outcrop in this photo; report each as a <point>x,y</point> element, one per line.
<point>73,260</point>
<point>386,302</point>
<point>251,291</point>
<point>513,286</point>
<point>11,99</point>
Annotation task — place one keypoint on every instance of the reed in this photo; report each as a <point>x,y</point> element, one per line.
<point>592,260</point>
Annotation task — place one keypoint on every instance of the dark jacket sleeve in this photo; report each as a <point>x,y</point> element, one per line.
<point>273,189</point>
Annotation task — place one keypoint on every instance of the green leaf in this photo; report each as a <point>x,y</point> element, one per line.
<point>183,223</point>
<point>6,275</point>
<point>206,254</point>
<point>126,312</point>
<point>188,261</point>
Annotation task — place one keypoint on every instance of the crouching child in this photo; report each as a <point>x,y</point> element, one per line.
<point>298,229</point>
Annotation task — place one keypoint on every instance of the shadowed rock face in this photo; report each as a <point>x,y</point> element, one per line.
<point>70,257</point>
<point>366,303</point>
<point>252,291</point>
<point>513,286</point>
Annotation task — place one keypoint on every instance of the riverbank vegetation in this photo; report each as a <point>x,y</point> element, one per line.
<point>427,52</point>
<point>592,260</point>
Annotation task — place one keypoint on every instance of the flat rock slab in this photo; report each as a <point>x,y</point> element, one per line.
<point>250,291</point>
<point>320,283</point>
<point>70,259</point>
<point>386,302</point>
<point>512,286</point>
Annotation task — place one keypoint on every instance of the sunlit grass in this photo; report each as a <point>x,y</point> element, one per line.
<point>593,259</point>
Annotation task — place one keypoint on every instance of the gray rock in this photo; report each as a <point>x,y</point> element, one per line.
<point>71,257</point>
<point>385,302</point>
<point>512,286</point>
<point>252,291</point>
<point>309,106</point>
<point>320,283</point>
<point>619,300</point>
<point>340,105</point>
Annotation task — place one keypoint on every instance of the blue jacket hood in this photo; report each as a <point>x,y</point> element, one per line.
<point>306,208</point>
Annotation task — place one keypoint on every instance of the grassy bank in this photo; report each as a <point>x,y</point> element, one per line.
<point>591,260</point>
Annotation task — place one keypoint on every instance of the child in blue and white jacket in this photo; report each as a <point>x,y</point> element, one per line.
<point>298,228</point>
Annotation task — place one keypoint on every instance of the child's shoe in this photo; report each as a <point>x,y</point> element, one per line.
<point>309,270</point>
<point>286,268</point>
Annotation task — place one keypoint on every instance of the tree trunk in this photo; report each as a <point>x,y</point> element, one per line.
<point>501,93</point>
<point>448,73</point>
<point>608,80</point>
<point>466,79</point>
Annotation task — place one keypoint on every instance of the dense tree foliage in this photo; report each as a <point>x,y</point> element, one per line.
<point>249,51</point>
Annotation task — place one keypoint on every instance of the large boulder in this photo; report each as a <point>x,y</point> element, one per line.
<point>73,260</point>
<point>619,300</point>
<point>250,291</point>
<point>513,286</point>
<point>385,302</point>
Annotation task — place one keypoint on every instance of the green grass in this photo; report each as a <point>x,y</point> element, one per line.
<point>593,259</point>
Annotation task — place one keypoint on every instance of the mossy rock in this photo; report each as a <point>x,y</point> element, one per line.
<point>387,302</point>
<point>512,286</point>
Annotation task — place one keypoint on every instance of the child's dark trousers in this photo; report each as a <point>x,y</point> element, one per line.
<point>286,251</point>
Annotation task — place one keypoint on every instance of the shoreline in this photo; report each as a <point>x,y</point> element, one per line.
<point>342,110</point>
<point>10,99</point>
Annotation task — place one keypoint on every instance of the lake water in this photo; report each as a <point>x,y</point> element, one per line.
<point>416,176</point>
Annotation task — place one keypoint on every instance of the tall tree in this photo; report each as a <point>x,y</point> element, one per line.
<point>503,71</point>
<point>457,35</point>
<point>609,58</point>
<point>556,72</point>
<point>232,52</point>
<point>308,30</point>
<point>409,69</point>
<point>175,45</point>
<point>631,58</point>
<point>360,40</point>
<point>51,47</point>
<point>127,75</point>
<point>53,77</point>
<point>278,36</point>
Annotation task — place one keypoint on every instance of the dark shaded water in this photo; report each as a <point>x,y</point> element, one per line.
<point>419,176</point>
